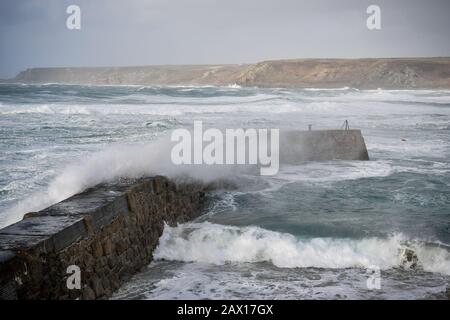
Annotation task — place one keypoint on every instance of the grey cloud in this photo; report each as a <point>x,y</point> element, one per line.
<point>136,32</point>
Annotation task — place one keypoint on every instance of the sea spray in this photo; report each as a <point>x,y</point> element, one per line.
<point>116,162</point>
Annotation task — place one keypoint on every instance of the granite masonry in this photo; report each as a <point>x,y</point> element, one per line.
<point>109,232</point>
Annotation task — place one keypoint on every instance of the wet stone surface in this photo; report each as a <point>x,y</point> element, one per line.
<point>108,231</point>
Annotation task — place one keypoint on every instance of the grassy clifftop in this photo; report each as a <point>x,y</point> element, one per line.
<point>358,73</point>
<point>388,73</point>
<point>139,75</point>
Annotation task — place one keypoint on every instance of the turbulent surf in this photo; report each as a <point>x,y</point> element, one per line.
<point>314,230</point>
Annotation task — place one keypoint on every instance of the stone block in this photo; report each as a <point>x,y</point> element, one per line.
<point>43,233</point>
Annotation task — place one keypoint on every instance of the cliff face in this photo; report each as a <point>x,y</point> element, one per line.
<point>360,73</point>
<point>144,75</point>
<point>398,73</point>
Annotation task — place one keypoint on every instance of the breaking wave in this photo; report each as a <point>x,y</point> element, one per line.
<point>218,244</point>
<point>132,161</point>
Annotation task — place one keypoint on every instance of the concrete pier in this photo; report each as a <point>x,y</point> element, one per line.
<point>322,145</point>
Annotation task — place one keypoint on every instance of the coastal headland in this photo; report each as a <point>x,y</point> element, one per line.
<point>367,73</point>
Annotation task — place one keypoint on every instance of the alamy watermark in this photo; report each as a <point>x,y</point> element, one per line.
<point>374,20</point>
<point>74,279</point>
<point>233,146</point>
<point>373,281</point>
<point>73,21</point>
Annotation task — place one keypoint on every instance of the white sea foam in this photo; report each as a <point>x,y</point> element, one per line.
<point>329,89</point>
<point>167,280</point>
<point>158,108</point>
<point>339,102</point>
<point>335,171</point>
<point>153,158</point>
<point>47,109</point>
<point>218,244</point>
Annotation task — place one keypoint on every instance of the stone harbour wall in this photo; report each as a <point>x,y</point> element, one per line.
<point>109,232</point>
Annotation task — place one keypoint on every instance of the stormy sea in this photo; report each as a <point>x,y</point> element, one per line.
<point>377,229</point>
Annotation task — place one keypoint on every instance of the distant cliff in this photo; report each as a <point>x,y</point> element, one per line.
<point>357,73</point>
<point>389,73</point>
<point>139,75</point>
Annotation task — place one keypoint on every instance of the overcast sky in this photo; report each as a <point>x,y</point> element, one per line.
<point>33,33</point>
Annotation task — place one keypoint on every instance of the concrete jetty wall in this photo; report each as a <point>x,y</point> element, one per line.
<point>109,232</point>
<point>322,145</point>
